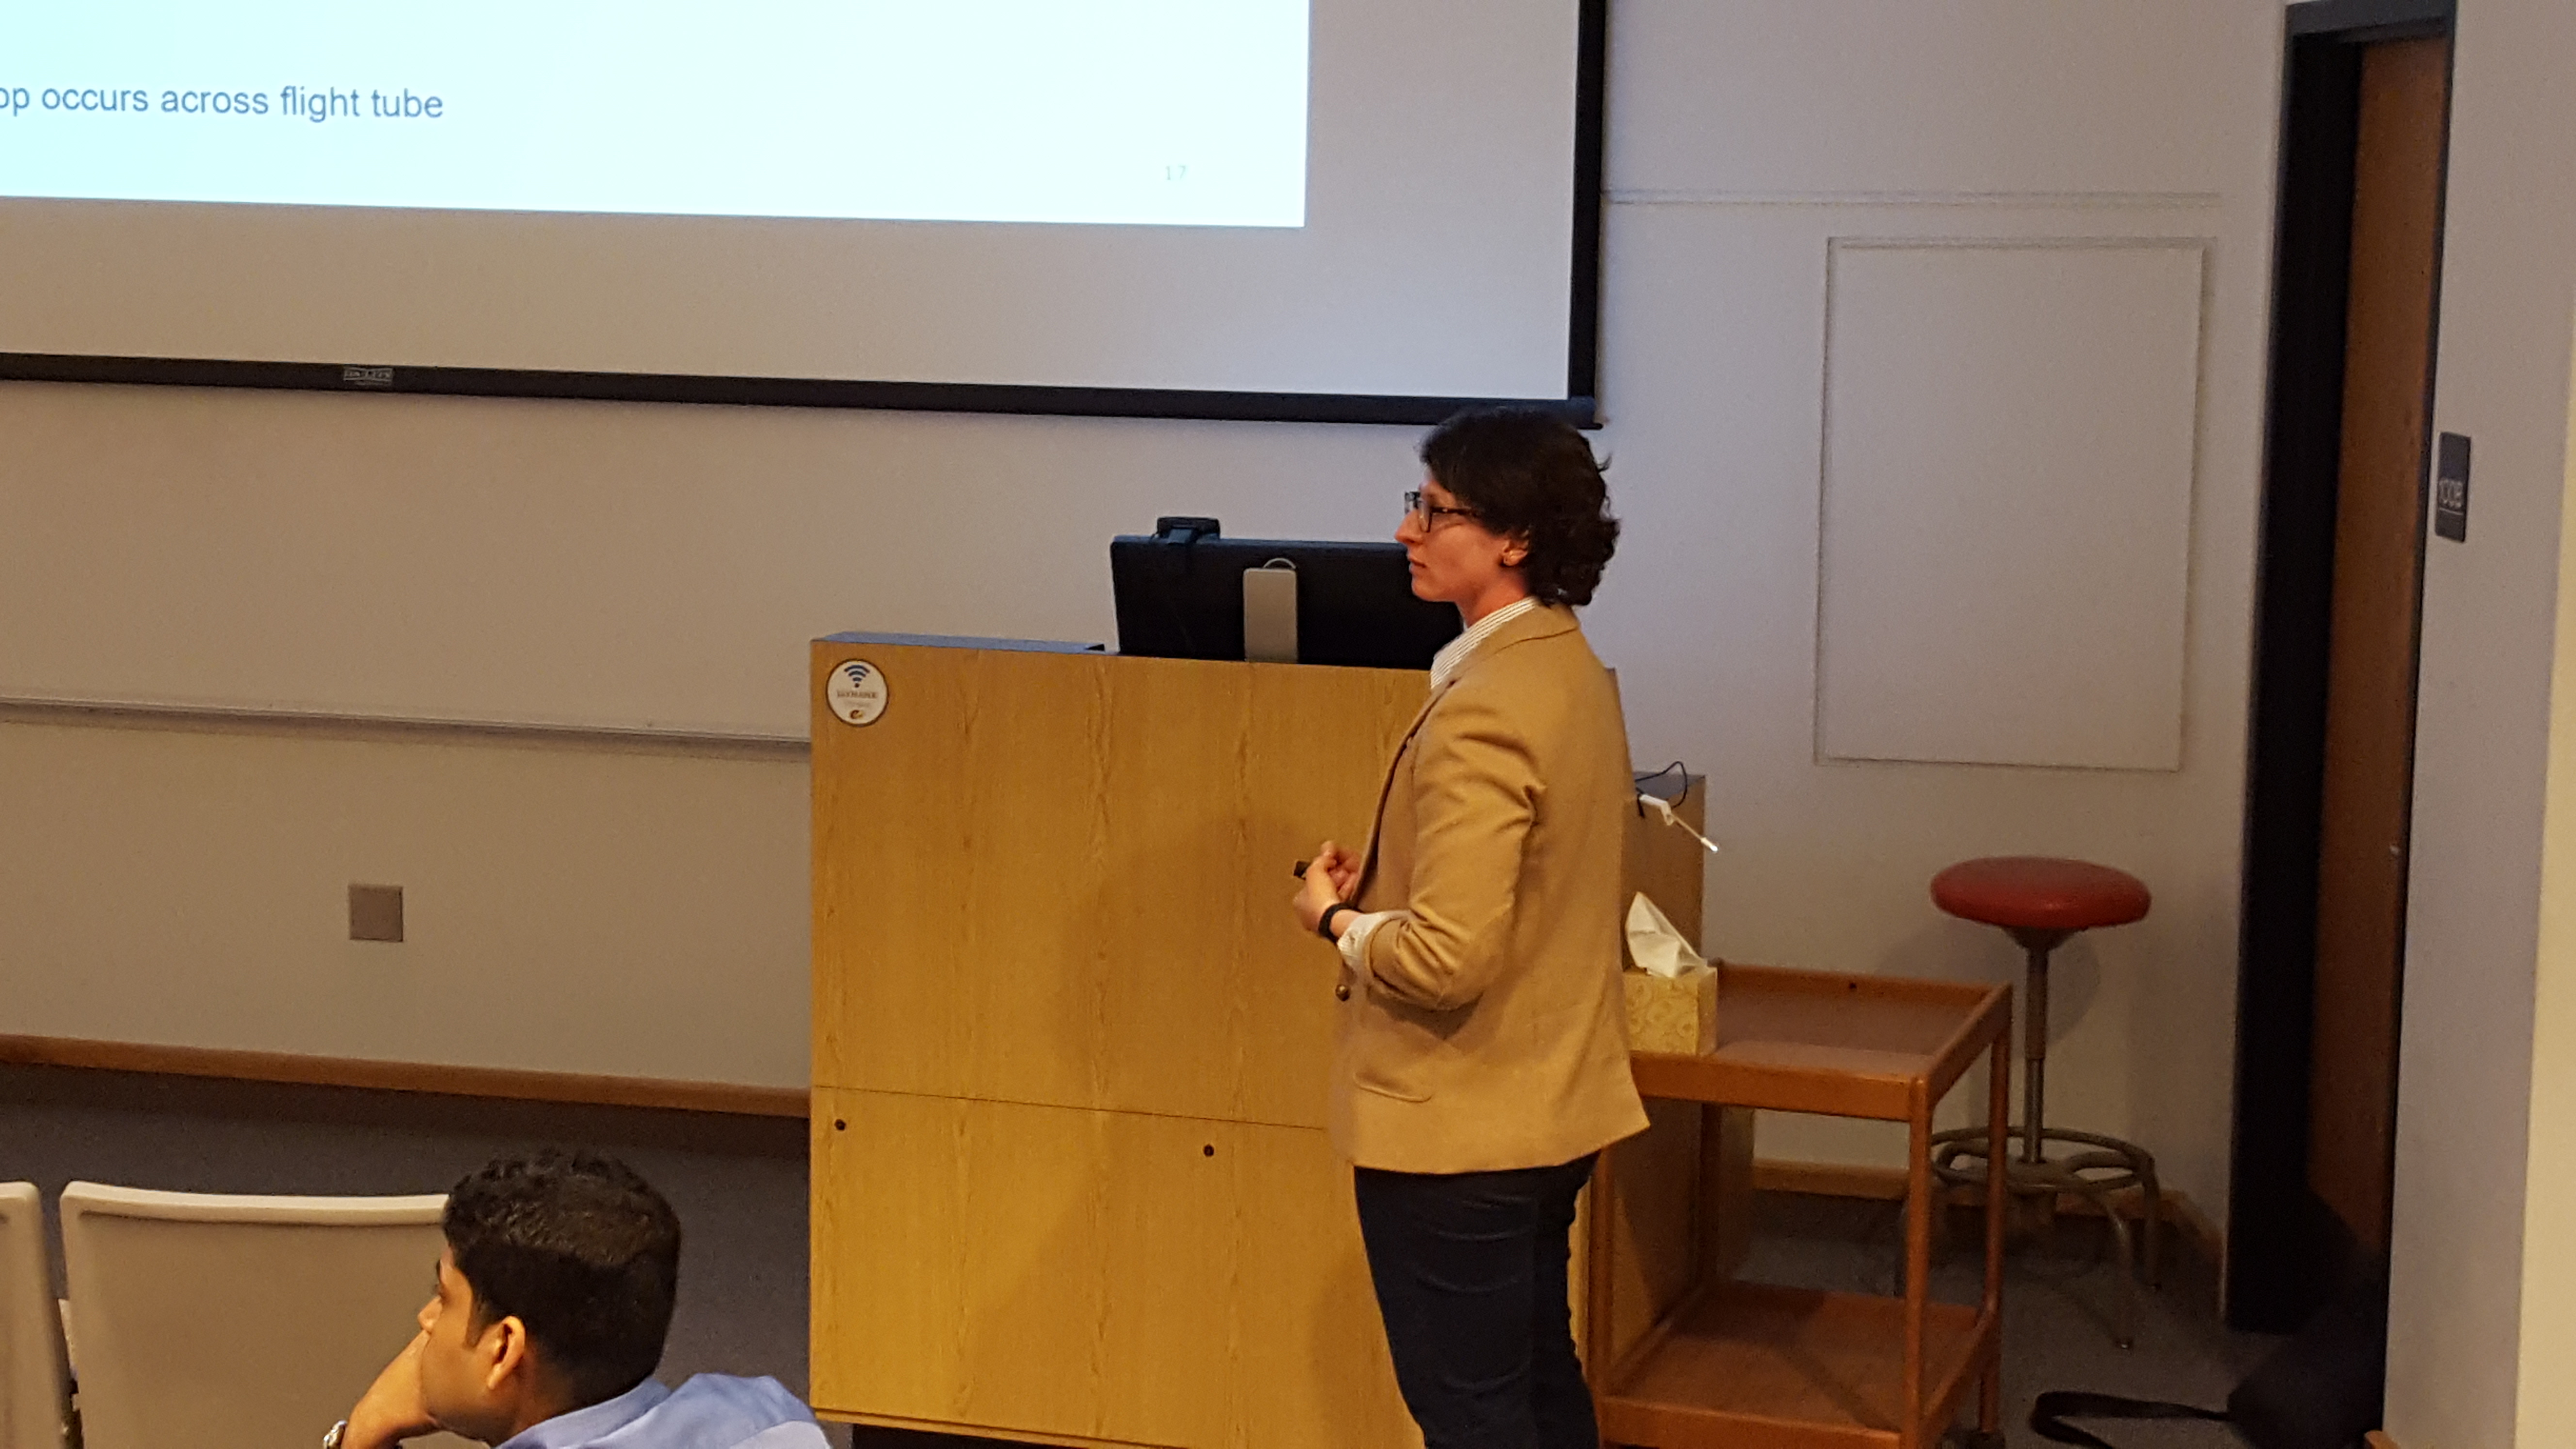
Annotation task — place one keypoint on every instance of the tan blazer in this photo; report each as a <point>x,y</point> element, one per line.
<point>1487,1032</point>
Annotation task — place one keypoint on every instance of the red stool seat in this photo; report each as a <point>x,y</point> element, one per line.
<point>2041,901</point>
<point>2039,893</point>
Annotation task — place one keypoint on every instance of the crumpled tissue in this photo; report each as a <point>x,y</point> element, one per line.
<point>1654,945</point>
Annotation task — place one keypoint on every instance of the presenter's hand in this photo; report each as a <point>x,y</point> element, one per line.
<point>1345,871</point>
<point>392,1410</point>
<point>1332,872</point>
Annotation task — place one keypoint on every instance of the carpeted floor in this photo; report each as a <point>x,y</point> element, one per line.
<point>739,1186</point>
<point>2060,1300</point>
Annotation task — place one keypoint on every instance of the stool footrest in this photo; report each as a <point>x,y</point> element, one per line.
<point>2125,1165</point>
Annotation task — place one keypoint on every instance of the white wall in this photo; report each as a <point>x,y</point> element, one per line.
<point>584,563</point>
<point>623,557</point>
<point>622,911</point>
<point>2466,1076</point>
<point>1743,138</point>
<point>2546,1392</point>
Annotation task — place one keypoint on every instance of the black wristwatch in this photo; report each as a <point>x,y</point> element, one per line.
<point>1324,926</point>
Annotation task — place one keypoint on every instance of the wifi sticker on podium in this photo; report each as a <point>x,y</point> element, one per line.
<point>857,692</point>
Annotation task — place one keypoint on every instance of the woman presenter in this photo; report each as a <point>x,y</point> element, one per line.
<point>1481,1057</point>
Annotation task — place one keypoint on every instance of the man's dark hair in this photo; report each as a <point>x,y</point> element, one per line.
<point>1529,473</point>
<point>579,1248</point>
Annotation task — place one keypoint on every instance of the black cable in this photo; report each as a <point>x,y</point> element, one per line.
<point>1642,781</point>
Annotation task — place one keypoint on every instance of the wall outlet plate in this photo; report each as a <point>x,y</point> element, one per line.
<point>375,913</point>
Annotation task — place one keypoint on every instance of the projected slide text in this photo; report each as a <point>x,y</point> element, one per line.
<point>1126,112</point>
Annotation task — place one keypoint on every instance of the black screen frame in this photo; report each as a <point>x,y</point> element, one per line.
<point>1580,406</point>
<point>1179,595</point>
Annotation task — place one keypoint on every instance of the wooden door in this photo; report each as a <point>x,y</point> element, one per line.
<point>2371,656</point>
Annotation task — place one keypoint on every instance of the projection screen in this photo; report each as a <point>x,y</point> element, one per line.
<point>1366,209</point>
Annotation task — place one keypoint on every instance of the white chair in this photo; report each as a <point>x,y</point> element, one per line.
<point>33,1401</point>
<point>222,1322</point>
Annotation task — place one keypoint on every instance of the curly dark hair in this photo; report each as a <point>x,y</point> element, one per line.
<point>1529,474</point>
<point>581,1249</point>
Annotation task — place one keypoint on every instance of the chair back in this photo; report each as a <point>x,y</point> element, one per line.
<point>33,1398</point>
<point>225,1322</point>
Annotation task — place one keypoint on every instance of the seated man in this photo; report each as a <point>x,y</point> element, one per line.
<point>553,1298</point>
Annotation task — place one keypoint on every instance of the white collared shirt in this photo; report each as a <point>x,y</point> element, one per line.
<point>1354,935</point>
<point>1455,652</point>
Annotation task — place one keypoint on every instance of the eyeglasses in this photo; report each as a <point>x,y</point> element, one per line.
<point>1432,513</point>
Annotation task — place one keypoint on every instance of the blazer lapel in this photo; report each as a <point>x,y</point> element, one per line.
<point>1538,623</point>
<point>1377,822</point>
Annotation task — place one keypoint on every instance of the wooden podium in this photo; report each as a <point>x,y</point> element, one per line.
<point>1070,1182</point>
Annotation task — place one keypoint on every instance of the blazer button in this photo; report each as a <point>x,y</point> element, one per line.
<point>1342,991</point>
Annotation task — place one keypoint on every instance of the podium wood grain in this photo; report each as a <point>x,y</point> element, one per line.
<point>1063,879</point>
<point>1109,1276</point>
<point>1071,1051</point>
<point>1670,867</point>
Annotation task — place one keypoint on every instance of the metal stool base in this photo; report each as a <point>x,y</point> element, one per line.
<point>2110,1166</point>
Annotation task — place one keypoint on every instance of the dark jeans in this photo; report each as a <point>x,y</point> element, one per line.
<point>1470,1274</point>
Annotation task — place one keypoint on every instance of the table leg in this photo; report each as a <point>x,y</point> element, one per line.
<point>1918,1266</point>
<point>1998,1105</point>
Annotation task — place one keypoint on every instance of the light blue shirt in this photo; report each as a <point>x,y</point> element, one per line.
<point>710,1411</point>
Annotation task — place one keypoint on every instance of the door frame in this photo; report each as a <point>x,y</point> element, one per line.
<point>2287,1253</point>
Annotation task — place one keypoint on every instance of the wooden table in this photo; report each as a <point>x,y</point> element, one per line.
<point>1748,1364</point>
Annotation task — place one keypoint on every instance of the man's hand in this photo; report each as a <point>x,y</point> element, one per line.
<point>1329,878</point>
<point>391,1410</point>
